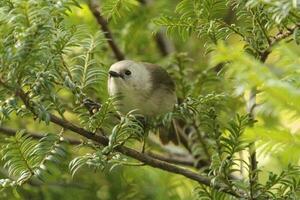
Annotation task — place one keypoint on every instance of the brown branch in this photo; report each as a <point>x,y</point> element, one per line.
<point>104,27</point>
<point>142,157</point>
<point>230,15</point>
<point>274,40</point>
<point>178,160</point>
<point>277,38</point>
<point>164,45</point>
<point>253,174</point>
<point>172,159</point>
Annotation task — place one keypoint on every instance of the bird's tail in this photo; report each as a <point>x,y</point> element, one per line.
<point>173,133</point>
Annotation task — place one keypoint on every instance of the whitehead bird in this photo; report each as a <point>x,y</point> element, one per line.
<point>144,87</point>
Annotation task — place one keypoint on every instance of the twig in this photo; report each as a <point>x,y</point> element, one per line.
<point>253,176</point>
<point>172,159</point>
<point>277,38</point>
<point>201,139</point>
<point>180,161</point>
<point>164,45</point>
<point>142,157</point>
<point>230,15</point>
<point>104,27</point>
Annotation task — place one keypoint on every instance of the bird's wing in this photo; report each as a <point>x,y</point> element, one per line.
<point>160,78</point>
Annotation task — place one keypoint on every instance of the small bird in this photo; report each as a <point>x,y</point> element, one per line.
<point>144,87</point>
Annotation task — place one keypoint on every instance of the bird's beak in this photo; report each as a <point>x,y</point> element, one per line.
<point>114,74</point>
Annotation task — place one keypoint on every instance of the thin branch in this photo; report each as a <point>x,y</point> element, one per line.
<point>201,140</point>
<point>277,38</point>
<point>142,157</point>
<point>104,27</point>
<point>164,45</point>
<point>253,176</point>
<point>172,159</point>
<point>178,160</point>
<point>253,173</point>
<point>230,15</point>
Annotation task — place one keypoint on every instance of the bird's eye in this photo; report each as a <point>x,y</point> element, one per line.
<point>127,72</point>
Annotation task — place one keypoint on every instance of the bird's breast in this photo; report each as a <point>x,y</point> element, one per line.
<point>148,103</point>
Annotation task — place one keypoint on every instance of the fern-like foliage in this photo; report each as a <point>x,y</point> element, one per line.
<point>197,17</point>
<point>25,158</point>
<point>95,160</point>
<point>128,128</point>
<point>87,71</point>
<point>31,52</point>
<point>285,185</point>
<point>206,193</point>
<point>50,149</point>
<point>208,19</point>
<point>19,157</point>
<point>227,146</point>
<point>184,27</point>
<point>114,9</point>
<point>101,119</point>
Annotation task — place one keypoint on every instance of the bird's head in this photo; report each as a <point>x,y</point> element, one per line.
<point>128,75</point>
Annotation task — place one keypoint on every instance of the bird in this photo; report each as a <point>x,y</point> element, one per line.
<point>146,88</point>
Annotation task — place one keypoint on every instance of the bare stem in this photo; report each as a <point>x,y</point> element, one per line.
<point>104,27</point>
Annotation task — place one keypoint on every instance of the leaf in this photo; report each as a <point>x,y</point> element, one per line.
<point>88,71</point>
<point>18,156</point>
<point>116,9</point>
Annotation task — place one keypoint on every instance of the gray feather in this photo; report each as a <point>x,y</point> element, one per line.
<point>160,78</point>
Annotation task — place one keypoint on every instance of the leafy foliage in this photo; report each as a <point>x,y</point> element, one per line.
<point>18,154</point>
<point>227,56</point>
<point>25,158</point>
<point>117,8</point>
<point>87,72</point>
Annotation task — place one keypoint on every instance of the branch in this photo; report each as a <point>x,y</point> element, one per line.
<point>172,159</point>
<point>142,157</point>
<point>164,45</point>
<point>277,38</point>
<point>253,176</point>
<point>253,173</point>
<point>104,27</point>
